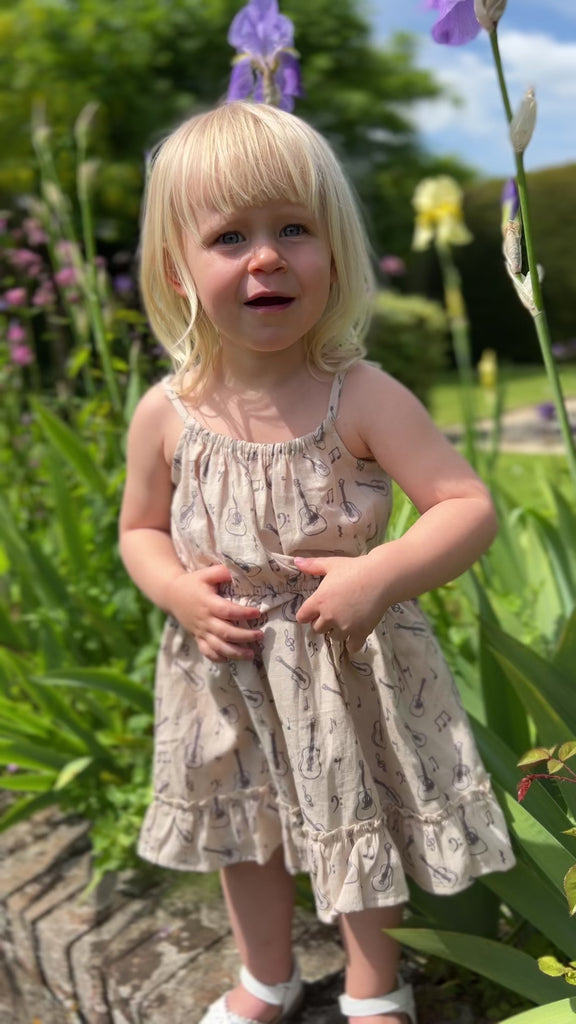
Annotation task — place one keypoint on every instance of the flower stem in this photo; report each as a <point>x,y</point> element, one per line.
<point>458,320</point>
<point>540,319</point>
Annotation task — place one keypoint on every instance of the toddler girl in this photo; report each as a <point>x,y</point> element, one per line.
<point>306,720</point>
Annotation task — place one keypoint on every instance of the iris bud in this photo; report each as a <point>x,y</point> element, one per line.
<point>523,122</point>
<point>489,12</point>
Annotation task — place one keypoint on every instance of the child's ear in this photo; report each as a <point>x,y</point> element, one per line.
<point>172,275</point>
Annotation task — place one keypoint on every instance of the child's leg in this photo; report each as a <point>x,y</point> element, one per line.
<point>371,958</point>
<point>260,901</point>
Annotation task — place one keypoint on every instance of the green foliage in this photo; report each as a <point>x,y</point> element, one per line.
<point>408,338</point>
<point>493,306</point>
<point>148,64</point>
<point>516,675</point>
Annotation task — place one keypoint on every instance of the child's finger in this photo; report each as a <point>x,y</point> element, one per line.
<point>230,610</point>
<point>307,612</point>
<point>232,634</point>
<point>311,566</point>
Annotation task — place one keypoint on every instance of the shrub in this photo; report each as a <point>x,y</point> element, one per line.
<point>408,337</point>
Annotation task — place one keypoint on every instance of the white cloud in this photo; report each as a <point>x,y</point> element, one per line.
<point>530,60</point>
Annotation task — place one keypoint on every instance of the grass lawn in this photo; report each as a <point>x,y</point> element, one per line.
<point>522,385</point>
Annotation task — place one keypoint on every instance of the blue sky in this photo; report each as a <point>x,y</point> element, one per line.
<point>538,46</point>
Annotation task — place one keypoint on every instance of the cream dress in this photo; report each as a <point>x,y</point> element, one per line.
<point>362,766</point>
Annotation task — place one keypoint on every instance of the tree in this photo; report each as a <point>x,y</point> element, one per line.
<point>149,63</point>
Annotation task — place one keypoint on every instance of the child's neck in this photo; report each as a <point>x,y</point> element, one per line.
<point>280,400</point>
<point>246,372</point>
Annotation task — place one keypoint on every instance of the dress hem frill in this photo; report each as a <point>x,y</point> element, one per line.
<point>249,826</point>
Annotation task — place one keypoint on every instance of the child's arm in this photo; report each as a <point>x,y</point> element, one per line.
<point>148,552</point>
<point>457,519</point>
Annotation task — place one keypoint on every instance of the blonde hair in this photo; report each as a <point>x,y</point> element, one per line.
<point>237,155</point>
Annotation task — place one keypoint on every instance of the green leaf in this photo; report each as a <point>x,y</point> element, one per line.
<point>560,1012</point>
<point>527,891</point>
<point>570,888</point>
<point>565,655</point>
<point>501,764</point>
<point>551,966</point>
<point>506,966</point>
<point>106,680</point>
<point>549,690</point>
<point>567,750</point>
<point>541,846</point>
<point>554,765</point>
<point>68,446</point>
<point>72,770</point>
<point>27,782</point>
<point>31,755</point>
<point>561,572</point>
<point>68,519</point>
<point>534,756</point>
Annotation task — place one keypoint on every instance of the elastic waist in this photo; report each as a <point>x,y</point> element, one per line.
<point>270,590</point>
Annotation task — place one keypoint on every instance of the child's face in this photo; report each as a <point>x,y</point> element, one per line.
<point>262,274</point>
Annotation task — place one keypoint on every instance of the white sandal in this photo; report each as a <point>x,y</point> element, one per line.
<point>399,1001</point>
<point>289,996</point>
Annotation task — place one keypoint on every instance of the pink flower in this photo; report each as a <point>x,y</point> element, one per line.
<point>392,266</point>
<point>66,277</point>
<point>15,296</point>
<point>23,259</point>
<point>44,295</point>
<point>35,233</point>
<point>15,333</point>
<point>21,355</point>
<point>66,251</point>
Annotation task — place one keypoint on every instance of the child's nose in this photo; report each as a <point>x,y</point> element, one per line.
<point>266,257</point>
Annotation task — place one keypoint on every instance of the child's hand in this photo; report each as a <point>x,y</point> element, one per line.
<point>349,600</point>
<point>193,599</point>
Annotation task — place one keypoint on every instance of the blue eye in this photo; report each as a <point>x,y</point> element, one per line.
<point>293,230</point>
<point>230,238</point>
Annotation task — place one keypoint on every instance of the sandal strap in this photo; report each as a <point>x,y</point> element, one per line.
<point>277,995</point>
<point>399,1001</point>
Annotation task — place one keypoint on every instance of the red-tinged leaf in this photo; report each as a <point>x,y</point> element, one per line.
<point>523,787</point>
<point>570,888</point>
<point>567,750</point>
<point>535,755</point>
<point>554,765</point>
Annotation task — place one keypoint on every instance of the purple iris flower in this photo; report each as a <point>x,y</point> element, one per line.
<point>266,67</point>
<point>456,23</point>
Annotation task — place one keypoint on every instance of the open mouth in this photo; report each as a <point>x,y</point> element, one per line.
<point>263,301</point>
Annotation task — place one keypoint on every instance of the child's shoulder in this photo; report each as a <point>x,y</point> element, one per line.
<point>367,383</point>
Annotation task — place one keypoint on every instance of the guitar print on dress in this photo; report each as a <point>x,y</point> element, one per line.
<point>461,775</point>
<point>309,765</point>
<point>382,882</point>
<point>365,806</point>
<point>241,777</point>
<point>279,761</point>
<point>235,523</point>
<point>475,843</point>
<point>299,675</point>
<point>350,510</point>
<point>319,467</point>
<point>194,751</point>
<point>311,520</point>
